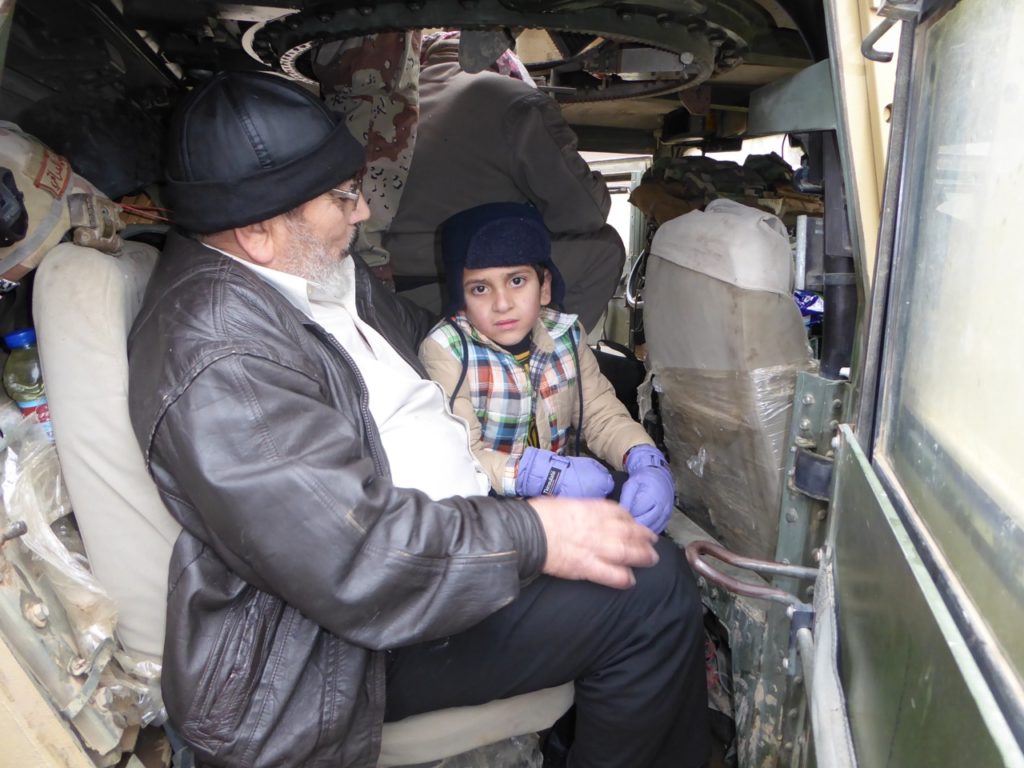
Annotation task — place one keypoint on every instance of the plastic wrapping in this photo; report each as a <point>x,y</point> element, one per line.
<point>725,432</point>
<point>516,752</point>
<point>137,701</point>
<point>34,492</point>
<point>135,690</point>
<point>725,341</point>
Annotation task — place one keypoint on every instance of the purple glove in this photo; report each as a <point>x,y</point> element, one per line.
<point>649,493</point>
<point>544,473</point>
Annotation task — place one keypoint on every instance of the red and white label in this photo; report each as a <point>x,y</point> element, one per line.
<point>54,174</point>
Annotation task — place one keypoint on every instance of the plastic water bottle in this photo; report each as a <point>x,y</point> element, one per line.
<point>23,379</point>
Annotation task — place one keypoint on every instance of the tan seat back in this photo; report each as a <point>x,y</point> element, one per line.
<point>84,303</point>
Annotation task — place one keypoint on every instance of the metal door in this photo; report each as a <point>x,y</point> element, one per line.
<point>926,536</point>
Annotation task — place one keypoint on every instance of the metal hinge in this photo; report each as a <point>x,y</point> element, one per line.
<point>901,10</point>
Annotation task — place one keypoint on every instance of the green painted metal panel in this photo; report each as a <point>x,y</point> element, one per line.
<point>801,102</point>
<point>915,695</point>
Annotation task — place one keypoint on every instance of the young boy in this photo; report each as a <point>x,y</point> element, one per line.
<point>521,374</point>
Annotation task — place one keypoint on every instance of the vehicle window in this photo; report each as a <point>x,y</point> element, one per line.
<point>759,145</point>
<point>954,361</point>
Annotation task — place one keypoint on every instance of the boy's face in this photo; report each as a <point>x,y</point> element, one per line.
<point>503,303</point>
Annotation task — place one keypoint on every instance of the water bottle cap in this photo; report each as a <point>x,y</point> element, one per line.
<point>22,338</point>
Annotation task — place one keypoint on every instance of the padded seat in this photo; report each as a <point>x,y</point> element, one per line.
<point>84,305</point>
<point>84,302</point>
<point>726,341</point>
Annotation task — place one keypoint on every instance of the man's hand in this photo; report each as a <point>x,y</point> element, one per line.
<point>594,540</point>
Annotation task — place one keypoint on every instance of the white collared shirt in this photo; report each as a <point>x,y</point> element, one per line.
<point>427,447</point>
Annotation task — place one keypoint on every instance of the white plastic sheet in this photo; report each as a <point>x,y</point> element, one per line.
<point>725,432</point>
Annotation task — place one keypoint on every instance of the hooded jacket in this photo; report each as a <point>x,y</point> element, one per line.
<point>299,562</point>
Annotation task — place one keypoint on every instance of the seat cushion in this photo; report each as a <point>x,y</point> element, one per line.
<point>447,732</point>
<point>84,303</point>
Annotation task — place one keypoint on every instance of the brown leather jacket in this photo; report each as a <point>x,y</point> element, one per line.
<point>299,561</point>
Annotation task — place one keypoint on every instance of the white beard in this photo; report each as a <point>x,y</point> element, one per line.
<point>311,257</point>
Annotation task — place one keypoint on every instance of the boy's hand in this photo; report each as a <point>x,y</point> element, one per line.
<point>595,540</point>
<point>544,473</point>
<point>649,493</point>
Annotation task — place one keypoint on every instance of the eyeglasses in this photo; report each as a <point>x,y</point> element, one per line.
<point>345,194</point>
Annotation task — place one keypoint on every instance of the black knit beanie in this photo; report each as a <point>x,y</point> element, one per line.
<point>248,146</point>
<point>495,235</point>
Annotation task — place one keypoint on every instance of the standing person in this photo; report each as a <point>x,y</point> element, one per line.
<point>522,376</point>
<point>485,138</point>
<point>339,565</point>
<point>373,82</point>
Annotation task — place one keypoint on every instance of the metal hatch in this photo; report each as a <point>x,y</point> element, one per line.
<point>926,536</point>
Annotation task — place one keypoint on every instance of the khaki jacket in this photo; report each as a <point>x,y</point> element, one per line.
<point>608,429</point>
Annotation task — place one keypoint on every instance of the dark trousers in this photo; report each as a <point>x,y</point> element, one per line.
<point>637,657</point>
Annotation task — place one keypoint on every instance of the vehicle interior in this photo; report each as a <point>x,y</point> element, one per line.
<point>750,394</point>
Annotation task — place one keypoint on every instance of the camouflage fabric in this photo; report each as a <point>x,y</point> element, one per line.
<point>374,81</point>
<point>678,185</point>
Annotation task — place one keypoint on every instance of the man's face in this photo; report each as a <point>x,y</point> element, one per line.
<point>503,303</point>
<point>320,234</point>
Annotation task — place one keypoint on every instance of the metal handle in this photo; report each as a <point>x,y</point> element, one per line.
<point>633,300</point>
<point>695,550</point>
<point>13,531</point>
<point>867,47</point>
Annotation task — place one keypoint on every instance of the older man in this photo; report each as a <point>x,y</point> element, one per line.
<point>339,564</point>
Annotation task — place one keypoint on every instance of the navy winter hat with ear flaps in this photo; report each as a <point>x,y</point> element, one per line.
<point>495,235</point>
<point>248,146</point>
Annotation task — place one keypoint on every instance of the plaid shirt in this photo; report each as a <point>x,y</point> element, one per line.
<point>503,397</point>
